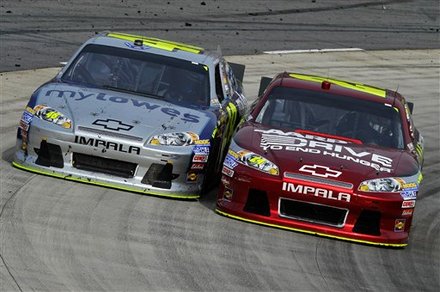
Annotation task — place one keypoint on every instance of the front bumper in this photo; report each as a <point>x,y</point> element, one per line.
<point>324,210</point>
<point>182,182</point>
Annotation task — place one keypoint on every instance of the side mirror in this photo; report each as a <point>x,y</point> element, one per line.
<point>238,70</point>
<point>264,82</point>
<point>410,106</point>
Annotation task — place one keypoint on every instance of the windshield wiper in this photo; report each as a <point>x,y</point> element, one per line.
<point>131,91</point>
<point>330,136</point>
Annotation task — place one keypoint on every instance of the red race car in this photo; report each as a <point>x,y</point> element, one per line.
<point>326,157</point>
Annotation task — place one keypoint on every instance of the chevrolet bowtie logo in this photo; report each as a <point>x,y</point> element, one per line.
<point>319,170</point>
<point>114,125</point>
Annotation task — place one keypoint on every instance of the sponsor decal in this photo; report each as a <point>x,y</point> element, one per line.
<point>202,142</point>
<point>107,145</point>
<point>292,141</point>
<point>133,46</point>
<point>319,170</point>
<point>79,95</point>
<point>317,192</point>
<point>201,150</point>
<point>407,212</point>
<point>191,177</point>
<point>399,225</point>
<point>114,125</point>
<point>24,126</point>
<point>409,185</point>
<point>225,181</point>
<point>30,110</point>
<point>233,154</point>
<point>27,117</point>
<point>51,115</point>
<point>197,166</point>
<point>230,161</point>
<point>228,194</point>
<point>227,171</point>
<point>408,204</point>
<point>200,158</point>
<point>409,194</point>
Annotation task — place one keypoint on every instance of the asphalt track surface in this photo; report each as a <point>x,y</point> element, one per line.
<point>58,235</point>
<point>41,33</point>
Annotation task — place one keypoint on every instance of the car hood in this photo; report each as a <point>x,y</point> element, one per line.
<point>323,157</point>
<point>107,110</point>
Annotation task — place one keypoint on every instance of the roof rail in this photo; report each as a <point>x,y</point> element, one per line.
<point>346,84</point>
<point>157,43</point>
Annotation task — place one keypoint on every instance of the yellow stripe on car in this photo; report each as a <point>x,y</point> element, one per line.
<point>346,84</point>
<point>158,43</point>
<point>310,232</point>
<point>109,185</point>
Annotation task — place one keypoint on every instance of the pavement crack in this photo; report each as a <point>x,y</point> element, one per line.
<point>1,216</point>
<point>317,264</point>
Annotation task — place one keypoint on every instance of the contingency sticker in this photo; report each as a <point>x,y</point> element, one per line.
<point>399,225</point>
<point>199,149</point>
<point>27,117</point>
<point>409,194</point>
<point>201,158</point>
<point>199,166</point>
<point>230,161</point>
<point>227,171</point>
<point>407,212</point>
<point>408,204</point>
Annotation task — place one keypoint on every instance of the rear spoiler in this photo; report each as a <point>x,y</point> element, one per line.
<point>264,82</point>
<point>238,70</point>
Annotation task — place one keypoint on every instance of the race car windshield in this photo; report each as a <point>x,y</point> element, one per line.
<point>141,73</point>
<point>370,122</point>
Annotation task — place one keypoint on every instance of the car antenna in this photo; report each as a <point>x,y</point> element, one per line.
<point>219,50</point>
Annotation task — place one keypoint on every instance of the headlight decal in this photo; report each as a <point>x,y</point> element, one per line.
<point>408,187</point>
<point>51,115</point>
<point>250,159</point>
<point>258,162</point>
<point>174,139</point>
<point>388,184</point>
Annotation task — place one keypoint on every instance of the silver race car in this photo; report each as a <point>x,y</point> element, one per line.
<point>134,113</point>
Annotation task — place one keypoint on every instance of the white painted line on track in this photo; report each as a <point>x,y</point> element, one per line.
<point>313,51</point>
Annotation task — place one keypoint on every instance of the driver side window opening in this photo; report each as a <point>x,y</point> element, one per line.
<point>218,84</point>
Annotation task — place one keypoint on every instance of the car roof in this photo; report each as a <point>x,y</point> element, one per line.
<point>337,86</point>
<point>156,46</point>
